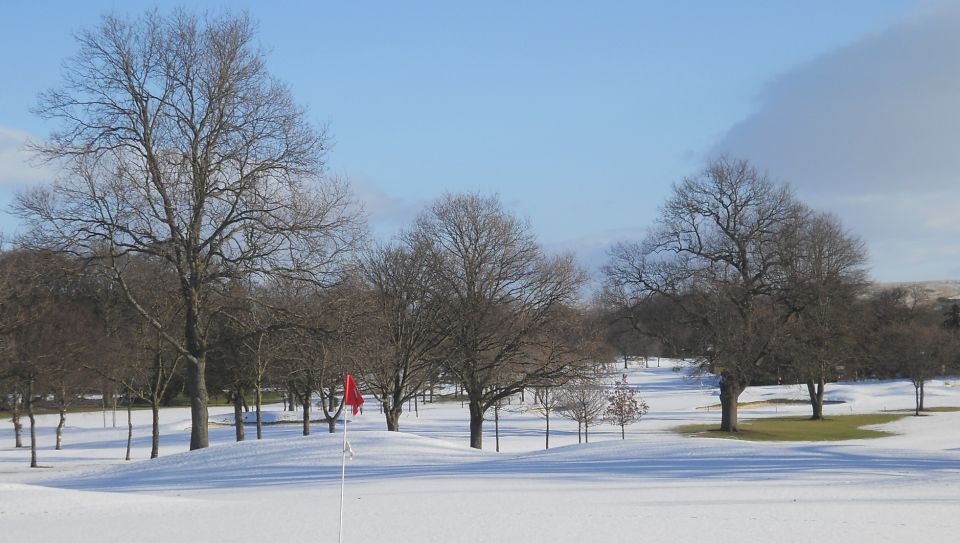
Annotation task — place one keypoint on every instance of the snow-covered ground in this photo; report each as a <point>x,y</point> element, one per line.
<point>425,484</point>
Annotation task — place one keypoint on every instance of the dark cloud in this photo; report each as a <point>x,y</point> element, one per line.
<point>872,132</point>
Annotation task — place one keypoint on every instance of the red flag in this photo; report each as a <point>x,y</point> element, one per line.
<point>351,394</point>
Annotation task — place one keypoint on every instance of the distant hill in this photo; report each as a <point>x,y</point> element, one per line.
<point>934,291</point>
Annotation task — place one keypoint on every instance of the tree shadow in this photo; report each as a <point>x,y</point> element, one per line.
<point>316,460</point>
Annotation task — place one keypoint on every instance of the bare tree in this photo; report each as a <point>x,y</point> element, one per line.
<point>69,341</point>
<point>907,338</point>
<point>924,349</point>
<point>227,364</point>
<point>584,400</point>
<point>318,351</point>
<point>12,401</point>
<point>714,254</point>
<point>623,408</point>
<point>547,400</point>
<point>144,365</point>
<point>33,304</point>
<point>634,327</point>
<point>401,336</point>
<point>264,327</point>
<point>13,314</point>
<point>824,278</point>
<point>176,143</point>
<point>498,288</point>
<point>573,338</point>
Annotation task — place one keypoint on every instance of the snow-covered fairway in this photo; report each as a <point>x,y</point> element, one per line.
<point>424,484</point>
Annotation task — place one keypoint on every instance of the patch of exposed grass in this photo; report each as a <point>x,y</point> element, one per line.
<point>924,412</point>
<point>839,428</point>
<point>945,409</point>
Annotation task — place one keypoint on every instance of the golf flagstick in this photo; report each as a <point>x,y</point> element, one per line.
<point>343,474</point>
<point>353,398</point>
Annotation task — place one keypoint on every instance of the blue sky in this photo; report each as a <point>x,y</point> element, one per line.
<point>579,114</point>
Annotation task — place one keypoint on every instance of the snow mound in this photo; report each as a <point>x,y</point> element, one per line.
<point>382,456</point>
<point>300,460</point>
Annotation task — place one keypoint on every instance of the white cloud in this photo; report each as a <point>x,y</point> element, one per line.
<point>388,214</point>
<point>18,166</point>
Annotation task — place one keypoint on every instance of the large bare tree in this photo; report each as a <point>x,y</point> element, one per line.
<point>715,254</point>
<point>499,290</point>
<point>402,337</point>
<point>177,143</point>
<point>824,277</point>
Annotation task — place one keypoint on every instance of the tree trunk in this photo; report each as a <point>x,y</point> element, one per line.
<point>586,432</point>
<point>547,413</point>
<point>579,432</point>
<point>238,415</point>
<point>476,424</point>
<point>155,431</point>
<point>921,395</point>
<point>496,426</point>
<point>730,391</point>
<point>129,426</point>
<point>623,431</point>
<point>17,430</point>
<point>17,424</point>
<point>306,414</point>
<point>815,391</point>
<point>60,425</point>
<point>327,402</point>
<point>393,419</point>
<point>258,400</point>
<point>33,426</point>
<point>197,387</point>
<point>916,397</point>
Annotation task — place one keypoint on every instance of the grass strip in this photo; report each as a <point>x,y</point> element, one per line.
<point>837,428</point>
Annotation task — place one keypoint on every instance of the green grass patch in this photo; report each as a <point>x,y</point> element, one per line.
<point>925,411</point>
<point>946,409</point>
<point>838,428</point>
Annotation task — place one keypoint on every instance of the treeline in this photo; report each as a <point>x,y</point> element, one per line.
<point>194,241</point>
<point>465,298</point>
<point>742,277</point>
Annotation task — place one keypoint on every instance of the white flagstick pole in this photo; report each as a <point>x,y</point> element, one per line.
<point>343,465</point>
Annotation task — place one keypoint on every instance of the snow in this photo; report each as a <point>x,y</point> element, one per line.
<point>425,484</point>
